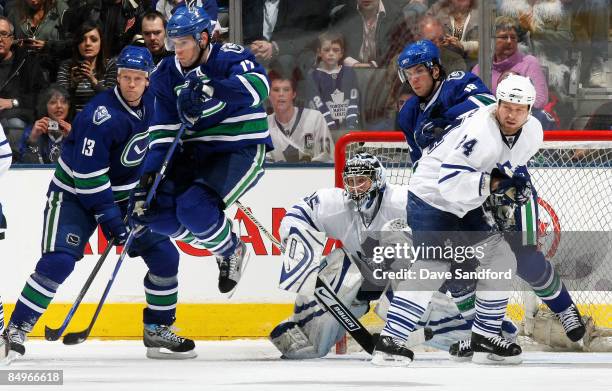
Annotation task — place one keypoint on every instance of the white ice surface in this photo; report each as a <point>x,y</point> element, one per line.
<point>255,365</point>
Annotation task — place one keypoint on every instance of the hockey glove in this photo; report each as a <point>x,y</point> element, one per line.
<point>138,211</point>
<point>112,225</point>
<point>192,96</point>
<point>430,132</point>
<point>514,186</point>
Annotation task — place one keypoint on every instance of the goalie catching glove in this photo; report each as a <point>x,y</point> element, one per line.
<point>515,186</point>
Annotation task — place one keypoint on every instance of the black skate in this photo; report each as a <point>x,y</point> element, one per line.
<point>231,268</point>
<point>15,340</point>
<point>163,343</point>
<point>391,352</point>
<point>572,323</point>
<point>495,350</point>
<point>461,351</point>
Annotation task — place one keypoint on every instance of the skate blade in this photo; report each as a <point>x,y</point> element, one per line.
<point>493,359</point>
<point>381,359</point>
<point>165,354</point>
<point>10,357</point>
<point>460,359</point>
<point>245,262</point>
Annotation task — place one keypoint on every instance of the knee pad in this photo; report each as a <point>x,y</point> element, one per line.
<point>162,259</point>
<point>56,266</point>
<point>199,208</point>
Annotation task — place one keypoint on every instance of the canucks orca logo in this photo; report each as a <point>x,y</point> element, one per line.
<point>135,150</point>
<point>100,115</point>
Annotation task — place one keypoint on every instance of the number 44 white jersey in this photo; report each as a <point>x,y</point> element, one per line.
<point>453,174</point>
<point>330,211</point>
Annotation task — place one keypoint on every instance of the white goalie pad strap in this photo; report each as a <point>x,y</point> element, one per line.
<point>303,249</point>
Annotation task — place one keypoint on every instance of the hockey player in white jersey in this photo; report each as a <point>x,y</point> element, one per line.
<point>5,163</point>
<point>485,154</point>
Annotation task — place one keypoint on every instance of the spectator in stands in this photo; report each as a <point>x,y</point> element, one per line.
<point>414,11</point>
<point>154,35</point>
<point>459,19</point>
<point>601,119</point>
<point>120,21</point>
<point>167,7</point>
<point>39,29</point>
<point>42,142</point>
<point>88,71</point>
<point>590,26</point>
<point>298,134</point>
<point>20,82</point>
<point>550,36</point>
<point>430,28</point>
<point>332,87</point>
<point>391,122</point>
<point>507,57</point>
<point>368,23</point>
<point>284,30</point>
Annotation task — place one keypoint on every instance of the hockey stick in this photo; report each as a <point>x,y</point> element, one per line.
<point>326,296</point>
<point>55,334</point>
<point>81,336</point>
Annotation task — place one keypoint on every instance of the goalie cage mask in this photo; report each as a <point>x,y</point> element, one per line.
<point>363,165</point>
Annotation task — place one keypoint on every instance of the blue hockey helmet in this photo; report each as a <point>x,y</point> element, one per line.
<point>136,57</point>
<point>185,21</point>
<point>420,52</point>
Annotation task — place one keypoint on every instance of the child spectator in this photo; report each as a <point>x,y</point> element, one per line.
<point>333,87</point>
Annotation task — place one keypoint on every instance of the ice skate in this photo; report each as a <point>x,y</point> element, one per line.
<point>390,351</point>
<point>232,267</point>
<point>163,343</point>
<point>495,350</point>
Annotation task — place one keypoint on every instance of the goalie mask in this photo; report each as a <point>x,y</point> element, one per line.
<point>364,179</point>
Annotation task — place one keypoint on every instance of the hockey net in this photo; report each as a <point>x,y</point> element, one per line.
<point>573,177</point>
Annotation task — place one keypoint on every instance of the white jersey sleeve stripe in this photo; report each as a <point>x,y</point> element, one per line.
<point>459,167</point>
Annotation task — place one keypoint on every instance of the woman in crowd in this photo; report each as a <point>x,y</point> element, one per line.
<point>87,72</point>
<point>41,142</point>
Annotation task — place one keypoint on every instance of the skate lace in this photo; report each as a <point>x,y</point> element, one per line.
<point>569,319</point>
<point>500,341</point>
<point>16,336</point>
<point>169,335</point>
<point>465,344</point>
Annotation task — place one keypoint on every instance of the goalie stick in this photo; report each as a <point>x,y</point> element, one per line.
<point>326,296</point>
<point>81,336</point>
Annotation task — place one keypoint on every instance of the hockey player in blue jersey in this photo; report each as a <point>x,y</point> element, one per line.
<point>100,163</point>
<point>217,91</point>
<point>438,98</point>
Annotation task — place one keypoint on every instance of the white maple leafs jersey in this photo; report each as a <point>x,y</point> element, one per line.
<point>453,174</point>
<point>306,137</point>
<point>332,212</point>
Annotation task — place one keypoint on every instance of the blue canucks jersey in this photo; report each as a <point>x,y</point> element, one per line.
<point>101,157</point>
<point>458,94</point>
<point>233,118</point>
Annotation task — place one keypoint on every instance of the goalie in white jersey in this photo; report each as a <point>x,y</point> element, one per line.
<point>361,216</point>
<point>485,154</point>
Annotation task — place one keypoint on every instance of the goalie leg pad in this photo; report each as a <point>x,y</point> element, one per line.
<point>311,332</point>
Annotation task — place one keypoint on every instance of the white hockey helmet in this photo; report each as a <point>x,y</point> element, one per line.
<point>361,166</point>
<point>516,89</point>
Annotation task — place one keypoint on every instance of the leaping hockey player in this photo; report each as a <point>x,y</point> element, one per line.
<point>217,91</point>
<point>485,155</point>
<point>6,157</point>
<point>438,106</point>
<point>100,163</point>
